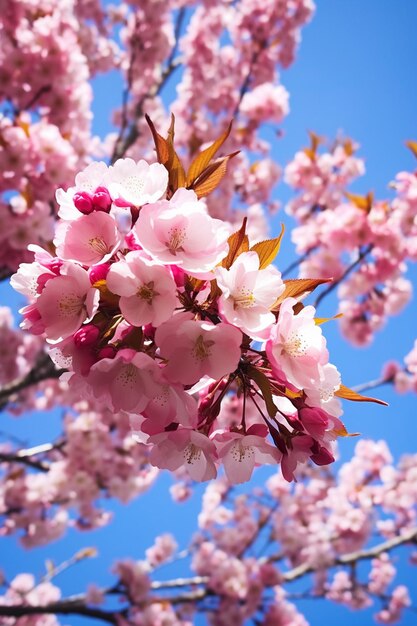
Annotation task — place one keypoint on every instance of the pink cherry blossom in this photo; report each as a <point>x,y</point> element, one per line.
<point>171,405</point>
<point>147,289</point>
<point>266,102</point>
<point>86,183</point>
<point>129,381</point>
<point>135,184</point>
<point>184,448</point>
<point>89,240</point>
<point>241,453</point>
<point>195,348</point>
<point>248,294</point>
<point>296,347</point>
<point>180,232</point>
<point>66,302</point>
<point>322,394</point>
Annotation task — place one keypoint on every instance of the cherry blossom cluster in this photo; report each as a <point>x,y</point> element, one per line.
<point>356,239</point>
<point>45,120</point>
<point>230,54</point>
<point>95,457</point>
<point>18,350</point>
<point>159,312</point>
<point>335,532</point>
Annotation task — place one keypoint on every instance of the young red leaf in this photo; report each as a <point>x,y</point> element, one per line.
<point>350,394</point>
<point>362,202</point>
<point>299,288</point>
<point>174,165</point>
<point>161,144</point>
<point>210,178</point>
<point>267,250</point>
<point>238,243</point>
<point>412,145</point>
<point>203,159</point>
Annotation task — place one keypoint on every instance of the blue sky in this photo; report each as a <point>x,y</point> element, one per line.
<point>355,72</point>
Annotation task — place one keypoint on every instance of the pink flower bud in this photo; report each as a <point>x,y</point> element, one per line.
<point>83,202</point>
<point>322,456</point>
<point>99,272</point>
<point>101,200</point>
<point>149,331</point>
<point>178,274</point>
<point>86,336</point>
<point>131,242</point>
<point>54,265</point>
<point>108,352</point>
<point>390,369</point>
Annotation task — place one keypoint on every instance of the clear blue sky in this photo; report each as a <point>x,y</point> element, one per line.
<point>355,72</point>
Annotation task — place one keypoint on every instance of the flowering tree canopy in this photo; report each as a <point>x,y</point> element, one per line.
<point>159,319</point>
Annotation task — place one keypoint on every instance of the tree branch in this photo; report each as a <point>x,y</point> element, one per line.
<point>14,457</point>
<point>346,273</point>
<point>297,262</point>
<point>76,605</point>
<point>123,144</point>
<point>409,536</point>
<point>70,606</point>
<point>43,369</point>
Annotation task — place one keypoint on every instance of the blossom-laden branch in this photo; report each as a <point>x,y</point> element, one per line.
<point>192,590</point>
<point>361,256</point>
<point>120,315</point>
<point>43,369</point>
<point>408,537</point>
<point>66,607</point>
<point>129,131</point>
<point>342,225</point>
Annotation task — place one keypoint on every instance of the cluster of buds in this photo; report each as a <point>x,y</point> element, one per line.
<point>159,311</point>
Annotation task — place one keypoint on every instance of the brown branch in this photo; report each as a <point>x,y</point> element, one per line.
<point>123,144</point>
<point>350,558</point>
<point>43,369</point>
<point>246,82</point>
<point>65,607</point>
<point>179,582</point>
<point>346,273</point>
<point>14,457</point>
<point>76,605</point>
<point>372,384</point>
<point>297,262</point>
<point>5,272</point>
<point>41,91</point>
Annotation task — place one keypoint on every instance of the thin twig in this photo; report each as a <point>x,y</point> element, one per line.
<point>122,145</point>
<point>14,457</point>
<point>372,384</point>
<point>409,536</point>
<point>297,262</point>
<point>44,369</point>
<point>64,607</point>
<point>347,271</point>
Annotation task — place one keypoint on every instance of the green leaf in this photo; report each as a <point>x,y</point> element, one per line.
<point>265,388</point>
